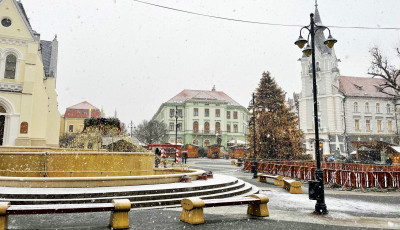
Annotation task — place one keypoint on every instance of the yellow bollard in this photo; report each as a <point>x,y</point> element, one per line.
<point>192,211</point>
<point>278,181</point>
<point>261,179</point>
<point>3,215</point>
<point>259,209</point>
<point>120,217</point>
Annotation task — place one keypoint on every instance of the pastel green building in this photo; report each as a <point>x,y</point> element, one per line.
<point>204,118</point>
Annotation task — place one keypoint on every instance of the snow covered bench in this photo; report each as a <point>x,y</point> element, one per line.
<point>278,180</point>
<point>119,211</point>
<point>292,186</point>
<point>192,208</point>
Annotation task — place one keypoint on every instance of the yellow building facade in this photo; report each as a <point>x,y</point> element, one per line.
<point>29,113</point>
<point>73,119</point>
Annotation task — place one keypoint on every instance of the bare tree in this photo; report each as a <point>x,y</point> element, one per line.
<point>383,68</point>
<point>153,131</point>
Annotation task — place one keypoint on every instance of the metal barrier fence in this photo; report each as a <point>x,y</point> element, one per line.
<point>344,174</point>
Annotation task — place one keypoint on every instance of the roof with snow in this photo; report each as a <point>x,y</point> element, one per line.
<point>363,87</point>
<point>83,105</point>
<point>208,95</point>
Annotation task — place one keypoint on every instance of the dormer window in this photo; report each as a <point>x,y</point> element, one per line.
<point>11,64</point>
<point>359,87</point>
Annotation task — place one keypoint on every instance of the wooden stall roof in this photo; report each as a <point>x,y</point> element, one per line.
<point>370,144</point>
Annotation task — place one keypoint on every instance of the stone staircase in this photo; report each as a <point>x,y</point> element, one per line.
<point>140,196</point>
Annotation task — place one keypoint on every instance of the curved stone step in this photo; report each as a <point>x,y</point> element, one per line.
<point>246,190</point>
<point>161,196</point>
<point>72,193</point>
<point>141,196</point>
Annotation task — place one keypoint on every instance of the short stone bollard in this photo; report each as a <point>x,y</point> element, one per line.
<point>120,216</point>
<point>210,175</point>
<point>3,215</point>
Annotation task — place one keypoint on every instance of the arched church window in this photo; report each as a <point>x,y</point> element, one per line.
<point>11,64</point>
<point>366,107</point>
<point>356,107</point>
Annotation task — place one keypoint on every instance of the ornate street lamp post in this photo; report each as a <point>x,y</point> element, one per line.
<point>316,190</point>
<point>253,123</point>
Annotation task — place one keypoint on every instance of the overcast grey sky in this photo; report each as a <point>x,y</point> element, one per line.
<point>133,57</point>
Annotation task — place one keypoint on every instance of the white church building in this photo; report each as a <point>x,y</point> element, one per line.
<point>349,108</point>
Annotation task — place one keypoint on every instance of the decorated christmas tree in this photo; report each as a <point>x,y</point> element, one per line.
<point>277,133</point>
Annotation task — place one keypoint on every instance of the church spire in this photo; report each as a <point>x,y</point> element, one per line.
<point>317,17</point>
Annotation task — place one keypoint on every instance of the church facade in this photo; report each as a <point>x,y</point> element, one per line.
<point>349,108</point>
<point>29,113</point>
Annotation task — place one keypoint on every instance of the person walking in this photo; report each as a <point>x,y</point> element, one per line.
<point>184,157</point>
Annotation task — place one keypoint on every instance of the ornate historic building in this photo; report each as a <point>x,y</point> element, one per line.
<point>349,108</point>
<point>28,70</point>
<point>204,117</point>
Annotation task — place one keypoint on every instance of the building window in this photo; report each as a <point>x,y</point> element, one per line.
<point>180,114</point>
<point>228,128</point>
<point>11,64</point>
<point>235,115</point>
<point>388,108</point>
<point>390,128</point>
<point>357,125</point>
<point>378,108</point>
<point>235,129</point>
<point>218,127</point>
<point>355,107</point>
<point>71,128</point>
<point>206,127</point>
<point>217,113</point>
<point>196,142</point>
<point>196,127</point>
<point>228,114</point>
<point>206,143</point>
<point>366,107</point>
<point>179,127</point>
<point>172,112</point>
<point>379,125</point>
<point>368,125</point>
<point>171,126</point>
<point>206,112</point>
<point>195,112</point>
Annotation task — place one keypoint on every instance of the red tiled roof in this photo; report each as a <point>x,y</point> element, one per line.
<point>363,87</point>
<point>81,110</point>
<point>212,95</point>
<point>83,105</point>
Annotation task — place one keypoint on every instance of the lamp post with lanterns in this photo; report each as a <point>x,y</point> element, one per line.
<point>253,123</point>
<point>316,191</point>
